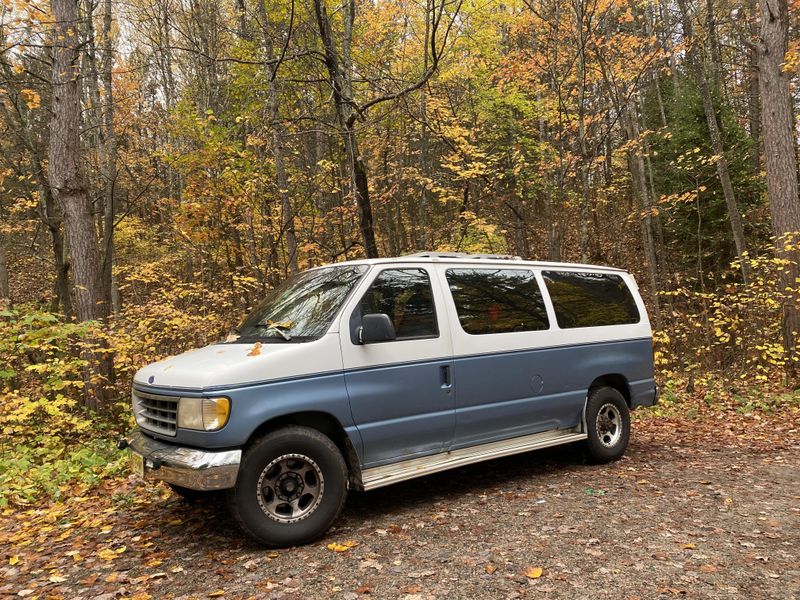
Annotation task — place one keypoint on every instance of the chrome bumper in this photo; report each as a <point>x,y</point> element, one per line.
<point>187,467</point>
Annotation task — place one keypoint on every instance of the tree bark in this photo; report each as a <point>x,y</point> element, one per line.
<point>68,185</point>
<point>753,100</point>
<point>110,160</point>
<point>780,157</point>
<point>5,290</point>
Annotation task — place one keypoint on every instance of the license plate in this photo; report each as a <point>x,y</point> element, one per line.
<point>137,464</point>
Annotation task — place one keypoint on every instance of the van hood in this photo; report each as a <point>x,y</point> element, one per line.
<point>233,364</point>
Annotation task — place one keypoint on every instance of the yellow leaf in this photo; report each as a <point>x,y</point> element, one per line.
<point>688,546</point>
<point>344,547</point>
<point>107,554</point>
<point>216,594</point>
<point>255,350</point>
<point>533,572</point>
<point>14,560</point>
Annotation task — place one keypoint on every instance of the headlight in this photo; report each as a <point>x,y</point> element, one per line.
<point>203,414</point>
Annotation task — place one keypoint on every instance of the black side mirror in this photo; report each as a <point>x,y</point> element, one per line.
<point>376,328</point>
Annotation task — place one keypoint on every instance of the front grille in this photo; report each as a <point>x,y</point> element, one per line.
<point>155,412</point>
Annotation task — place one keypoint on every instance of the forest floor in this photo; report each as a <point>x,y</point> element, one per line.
<point>707,507</point>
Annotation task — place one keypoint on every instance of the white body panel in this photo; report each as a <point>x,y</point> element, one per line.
<point>227,365</point>
<point>355,356</point>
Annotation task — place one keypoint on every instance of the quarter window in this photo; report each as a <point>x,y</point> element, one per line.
<point>590,299</point>
<point>497,300</point>
<point>406,296</point>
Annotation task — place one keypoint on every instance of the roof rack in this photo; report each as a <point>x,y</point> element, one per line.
<point>465,255</point>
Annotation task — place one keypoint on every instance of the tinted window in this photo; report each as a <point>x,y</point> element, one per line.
<point>590,299</point>
<point>301,308</point>
<point>405,295</point>
<point>497,301</point>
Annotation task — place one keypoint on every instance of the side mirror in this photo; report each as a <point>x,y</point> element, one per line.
<point>376,328</point>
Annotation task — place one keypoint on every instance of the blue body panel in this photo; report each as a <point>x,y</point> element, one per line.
<point>404,410</point>
<point>519,393</point>
<point>253,405</point>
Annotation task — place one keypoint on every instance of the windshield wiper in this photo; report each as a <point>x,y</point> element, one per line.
<point>280,328</point>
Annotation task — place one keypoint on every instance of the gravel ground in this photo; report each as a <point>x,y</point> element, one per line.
<point>705,509</point>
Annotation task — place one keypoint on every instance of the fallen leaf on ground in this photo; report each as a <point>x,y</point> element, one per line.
<point>708,569</point>
<point>533,572</point>
<point>107,554</point>
<point>343,547</point>
<point>491,568</point>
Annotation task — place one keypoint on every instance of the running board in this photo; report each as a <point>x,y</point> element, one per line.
<point>417,467</point>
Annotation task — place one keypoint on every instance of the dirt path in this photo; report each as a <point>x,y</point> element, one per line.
<point>698,511</point>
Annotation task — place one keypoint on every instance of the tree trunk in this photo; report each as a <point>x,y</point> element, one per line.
<point>639,178</point>
<point>753,101</point>
<point>110,161</point>
<point>5,290</point>
<point>338,72</point>
<point>716,141</point>
<point>68,185</point>
<point>780,157</point>
<point>278,153</point>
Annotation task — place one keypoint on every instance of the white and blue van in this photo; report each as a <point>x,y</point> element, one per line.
<point>365,373</point>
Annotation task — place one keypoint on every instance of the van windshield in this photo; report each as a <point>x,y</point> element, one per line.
<point>301,308</point>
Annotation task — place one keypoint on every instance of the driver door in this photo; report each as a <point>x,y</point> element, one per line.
<point>401,391</point>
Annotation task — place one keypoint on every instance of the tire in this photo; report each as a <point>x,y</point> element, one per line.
<point>608,425</point>
<point>292,485</point>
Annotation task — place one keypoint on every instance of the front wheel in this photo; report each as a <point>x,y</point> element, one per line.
<point>608,424</point>
<point>292,484</point>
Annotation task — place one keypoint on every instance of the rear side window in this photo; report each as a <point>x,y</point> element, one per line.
<point>497,300</point>
<point>590,299</point>
<point>406,296</point>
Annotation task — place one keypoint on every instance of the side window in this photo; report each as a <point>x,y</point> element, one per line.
<point>406,296</point>
<point>590,299</point>
<point>497,300</point>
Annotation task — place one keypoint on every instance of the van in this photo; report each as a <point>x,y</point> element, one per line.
<point>361,374</point>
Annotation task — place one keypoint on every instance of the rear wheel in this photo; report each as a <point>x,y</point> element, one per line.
<point>608,424</point>
<point>292,485</point>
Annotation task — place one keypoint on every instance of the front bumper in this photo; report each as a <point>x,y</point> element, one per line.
<point>187,467</point>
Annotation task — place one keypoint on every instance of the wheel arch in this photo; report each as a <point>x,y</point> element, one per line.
<point>325,423</point>
<point>613,380</point>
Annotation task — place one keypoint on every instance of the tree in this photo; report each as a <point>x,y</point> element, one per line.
<point>723,171</point>
<point>67,182</point>
<point>780,156</point>
<point>340,70</point>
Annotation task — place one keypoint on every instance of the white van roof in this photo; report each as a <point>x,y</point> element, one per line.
<point>494,259</point>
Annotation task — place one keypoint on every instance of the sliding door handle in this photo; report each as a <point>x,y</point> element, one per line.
<point>446,377</point>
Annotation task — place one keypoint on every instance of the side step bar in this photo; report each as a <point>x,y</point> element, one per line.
<point>417,467</point>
